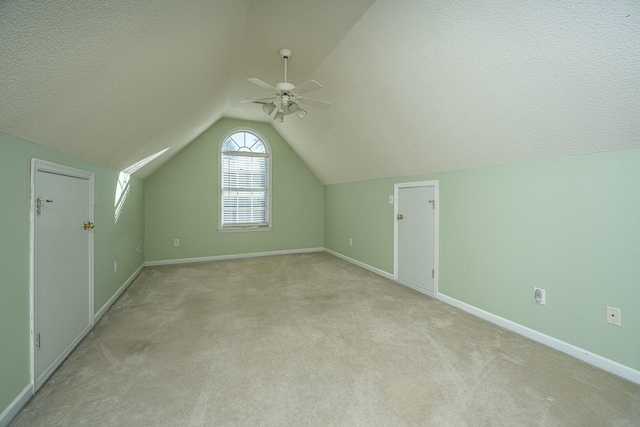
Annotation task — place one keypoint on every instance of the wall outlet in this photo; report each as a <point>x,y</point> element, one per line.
<point>613,316</point>
<point>539,296</point>
<point>138,248</point>
<point>176,242</point>
<point>115,266</point>
<point>350,241</point>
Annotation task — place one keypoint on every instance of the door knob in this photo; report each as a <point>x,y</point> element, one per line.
<point>88,225</point>
<point>400,216</point>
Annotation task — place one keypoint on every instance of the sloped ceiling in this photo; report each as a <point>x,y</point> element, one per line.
<point>415,86</point>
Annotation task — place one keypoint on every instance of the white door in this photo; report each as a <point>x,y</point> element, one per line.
<point>415,231</point>
<point>63,257</point>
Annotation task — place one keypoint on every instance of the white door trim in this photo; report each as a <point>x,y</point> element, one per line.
<point>38,165</point>
<point>436,233</point>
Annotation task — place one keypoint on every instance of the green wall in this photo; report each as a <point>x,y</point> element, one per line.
<point>569,225</point>
<point>182,202</point>
<point>112,241</point>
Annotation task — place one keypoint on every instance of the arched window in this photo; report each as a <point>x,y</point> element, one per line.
<point>245,178</point>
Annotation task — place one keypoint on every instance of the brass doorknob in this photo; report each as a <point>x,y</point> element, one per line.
<point>88,225</point>
<point>400,216</point>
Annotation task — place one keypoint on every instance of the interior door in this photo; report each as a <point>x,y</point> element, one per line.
<point>63,247</point>
<point>416,236</point>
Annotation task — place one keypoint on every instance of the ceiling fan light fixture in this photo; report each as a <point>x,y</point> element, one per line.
<point>293,107</point>
<point>301,113</point>
<point>286,97</point>
<point>268,108</point>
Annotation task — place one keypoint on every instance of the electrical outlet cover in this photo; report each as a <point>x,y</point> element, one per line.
<point>539,296</point>
<point>613,316</point>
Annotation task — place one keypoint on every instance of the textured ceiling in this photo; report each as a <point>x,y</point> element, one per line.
<point>415,86</point>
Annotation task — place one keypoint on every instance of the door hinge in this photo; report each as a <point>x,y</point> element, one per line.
<point>433,204</point>
<point>433,274</point>
<point>38,341</point>
<point>39,201</point>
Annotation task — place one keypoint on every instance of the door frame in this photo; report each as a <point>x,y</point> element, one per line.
<point>38,165</point>
<point>436,227</point>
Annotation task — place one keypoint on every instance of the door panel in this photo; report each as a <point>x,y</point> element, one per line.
<point>415,256</point>
<point>62,270</point>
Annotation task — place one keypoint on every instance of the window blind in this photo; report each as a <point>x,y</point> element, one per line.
<point>244,189</point>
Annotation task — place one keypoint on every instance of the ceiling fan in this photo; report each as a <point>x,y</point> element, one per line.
<point>287,97</point>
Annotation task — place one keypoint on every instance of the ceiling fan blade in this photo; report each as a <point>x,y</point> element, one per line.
<point>314,102</point>
<point>258,100</point>
<point>307,87</point>
<point>260,83</point>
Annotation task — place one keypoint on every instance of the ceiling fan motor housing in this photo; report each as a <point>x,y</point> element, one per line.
<point>285,87</point>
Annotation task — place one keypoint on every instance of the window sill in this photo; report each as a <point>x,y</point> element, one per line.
<point>242,229</point>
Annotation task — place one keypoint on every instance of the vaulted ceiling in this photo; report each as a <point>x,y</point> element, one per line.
<point>416,86</point>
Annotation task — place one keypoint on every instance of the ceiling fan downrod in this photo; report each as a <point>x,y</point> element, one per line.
<point>285,54</point>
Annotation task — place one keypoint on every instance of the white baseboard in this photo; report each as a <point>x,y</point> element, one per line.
<point>15,406</point>
<point>564,347</point>
<point>12,410</point>
<point>115,296</point>
<point>579,353</point>
<point>234,256</point>
<point>360,264</point>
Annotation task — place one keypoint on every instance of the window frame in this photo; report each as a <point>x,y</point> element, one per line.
<point>269,220</point>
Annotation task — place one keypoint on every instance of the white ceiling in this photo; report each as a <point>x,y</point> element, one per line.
<point>416,86</point>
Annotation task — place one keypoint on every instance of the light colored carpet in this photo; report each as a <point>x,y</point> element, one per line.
<point>309,339</point>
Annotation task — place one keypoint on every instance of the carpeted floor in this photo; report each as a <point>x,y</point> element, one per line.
<point>309,339</point>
